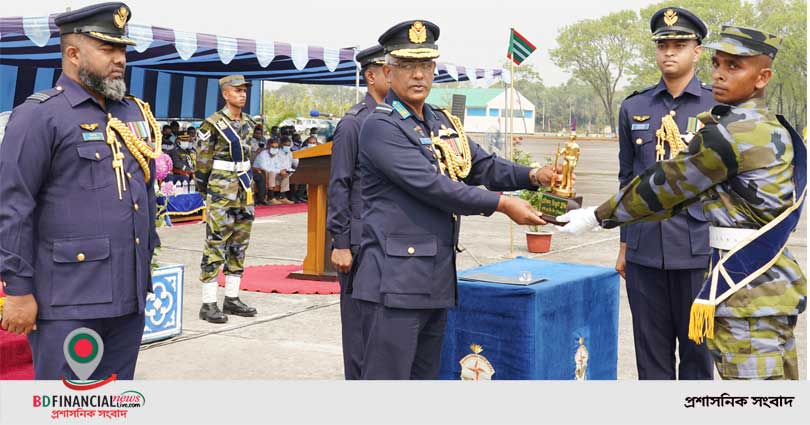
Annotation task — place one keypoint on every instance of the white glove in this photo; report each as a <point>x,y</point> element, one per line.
<point>578,221</point>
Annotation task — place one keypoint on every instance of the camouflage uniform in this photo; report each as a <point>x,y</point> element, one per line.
<point>740,166</point>
<point>230,215</point>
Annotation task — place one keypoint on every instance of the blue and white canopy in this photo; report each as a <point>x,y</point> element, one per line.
<point>177,72</point>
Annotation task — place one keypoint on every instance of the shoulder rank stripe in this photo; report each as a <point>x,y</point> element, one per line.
<point>401,109</point>
<point>382,107</point>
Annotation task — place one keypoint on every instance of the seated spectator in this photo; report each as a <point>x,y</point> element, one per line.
<point>184,158</point>
<point>290,164</point>
<point>297,143</point>
<point>257,139</point>
<point>311,142</point>
<point>175,126</point>
<point>269,165</point>
<point>168,138</point>
<point>191,131</point>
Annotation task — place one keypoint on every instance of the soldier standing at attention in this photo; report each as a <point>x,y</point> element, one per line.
<point>748,166</point>
<point>224,178</point>
<point>419,174</point>
<point>346,205</point>
<point>664,262</point>
<point>77,217</point>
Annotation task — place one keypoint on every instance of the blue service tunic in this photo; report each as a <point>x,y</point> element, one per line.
<point>682,242</point>
<point>345,197</point>
<point>65,237</point>
<point>410,211</point>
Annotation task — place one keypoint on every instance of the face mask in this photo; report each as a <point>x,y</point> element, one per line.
<point>273,151</point>
<point>185,145</point>
<point>286,149</point>
<point>311,146</point>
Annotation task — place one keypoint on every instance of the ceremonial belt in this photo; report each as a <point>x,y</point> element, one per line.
<point>226,131</point>
<point>727,238</point>
<point>753,255</point>
<point>231,166</point>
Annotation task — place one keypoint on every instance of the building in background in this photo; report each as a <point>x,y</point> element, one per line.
<point>486,109</point>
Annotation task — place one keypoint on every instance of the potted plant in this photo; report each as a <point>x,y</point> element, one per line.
<point>537,240</point>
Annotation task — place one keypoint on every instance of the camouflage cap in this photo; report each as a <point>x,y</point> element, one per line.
<point>235,80</point>
<point>743,41</point>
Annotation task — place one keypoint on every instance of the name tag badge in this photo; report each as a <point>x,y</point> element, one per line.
<point>644,126</point>
<point>93,137</point>
<point>425,140</point>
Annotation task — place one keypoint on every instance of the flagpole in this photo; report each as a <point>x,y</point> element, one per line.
<point>511,136</point>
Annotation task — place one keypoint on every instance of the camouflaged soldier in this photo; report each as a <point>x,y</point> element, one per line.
<point>747,165</point>
<point>224,179</point>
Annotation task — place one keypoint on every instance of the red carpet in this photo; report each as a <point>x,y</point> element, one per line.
<point>264,211</point>
<point>273,278</point>
<point>15,357</point>
<point>271,210</point>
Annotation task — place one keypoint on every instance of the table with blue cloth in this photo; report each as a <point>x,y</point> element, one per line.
<point>182,207</point>
<point>563,328</point>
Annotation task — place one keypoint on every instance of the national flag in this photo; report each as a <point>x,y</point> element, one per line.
<point>519,48</point>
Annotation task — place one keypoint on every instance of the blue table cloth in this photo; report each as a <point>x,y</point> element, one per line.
<point>182,204</point>
<point>536,331</point>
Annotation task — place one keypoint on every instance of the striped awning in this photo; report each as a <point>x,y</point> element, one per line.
<point>177,72</point>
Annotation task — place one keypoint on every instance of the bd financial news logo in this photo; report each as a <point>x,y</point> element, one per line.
<point>83,350</point>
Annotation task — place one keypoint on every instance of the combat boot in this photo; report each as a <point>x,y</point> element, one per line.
<point>211,313</point>
<point>233,305</point>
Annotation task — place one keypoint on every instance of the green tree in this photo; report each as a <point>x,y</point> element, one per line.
<point>787,91</point>
<point>598,52</point>
<point>644,71</point>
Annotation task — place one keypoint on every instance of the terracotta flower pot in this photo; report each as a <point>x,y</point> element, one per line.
<point>538,242</point>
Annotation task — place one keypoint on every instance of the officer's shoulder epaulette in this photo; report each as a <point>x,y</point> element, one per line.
<point>645,89</point>
<point>384,108</point>
<point>705,86</point>
<point>354,110</point>
<point>44,95</point>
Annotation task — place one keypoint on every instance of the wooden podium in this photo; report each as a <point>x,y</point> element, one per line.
<point>314,166</point>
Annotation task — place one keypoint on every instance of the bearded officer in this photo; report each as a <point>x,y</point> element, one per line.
<point>345,203</point>
<point>419,174</point>
<point>77,218</point>
<point>224,177</point>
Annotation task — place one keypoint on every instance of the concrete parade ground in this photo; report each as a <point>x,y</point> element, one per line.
<point>298,336</point>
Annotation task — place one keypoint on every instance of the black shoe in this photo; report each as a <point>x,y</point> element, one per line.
<point>233,305</point>
<point>211,313</point>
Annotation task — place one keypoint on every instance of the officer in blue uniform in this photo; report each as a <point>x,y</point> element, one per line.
<point>419,174</point>
<point>664,262</point>
<point>345,204</point>
<point>77,217</point>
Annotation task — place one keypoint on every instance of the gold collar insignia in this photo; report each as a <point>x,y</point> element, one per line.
<point>418,33</point>
<point>670,17</point>
<point>89,127</point>
<point>641,118</point>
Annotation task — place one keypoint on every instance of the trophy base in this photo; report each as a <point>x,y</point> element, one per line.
<point>553,206</point>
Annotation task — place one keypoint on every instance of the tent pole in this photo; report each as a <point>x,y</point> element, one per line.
<point>356,79</point>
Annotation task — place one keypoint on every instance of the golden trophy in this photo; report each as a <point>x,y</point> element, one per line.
<point>562,196</point>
